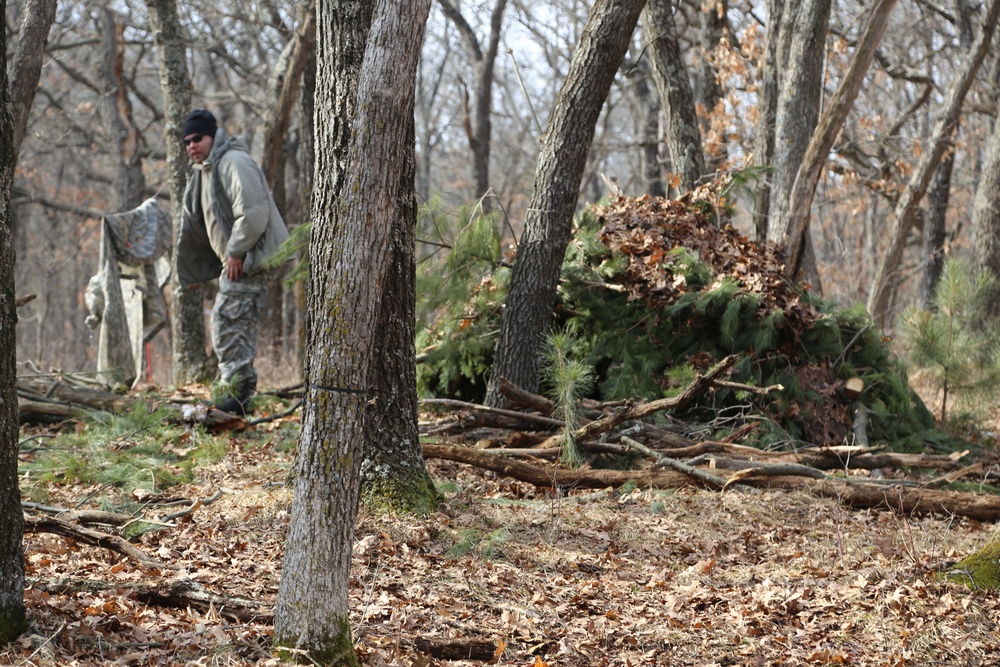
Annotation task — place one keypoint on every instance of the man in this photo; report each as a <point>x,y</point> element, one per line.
<point>231,225</point>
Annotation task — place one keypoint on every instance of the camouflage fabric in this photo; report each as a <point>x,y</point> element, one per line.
<point>235,320</point>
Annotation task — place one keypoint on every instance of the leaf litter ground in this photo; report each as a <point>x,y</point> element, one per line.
<point>643,577</point>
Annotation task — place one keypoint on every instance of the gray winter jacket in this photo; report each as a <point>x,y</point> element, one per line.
<point>245,210</point>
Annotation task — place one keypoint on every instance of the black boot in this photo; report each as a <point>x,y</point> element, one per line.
<point>237,403</point>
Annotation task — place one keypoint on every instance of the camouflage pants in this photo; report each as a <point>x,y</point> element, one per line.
<point>235,321</point>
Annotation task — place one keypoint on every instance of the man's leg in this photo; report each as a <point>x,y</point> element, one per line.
<point>235,323</point>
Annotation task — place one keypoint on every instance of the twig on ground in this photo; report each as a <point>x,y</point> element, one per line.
<point>271,418</point>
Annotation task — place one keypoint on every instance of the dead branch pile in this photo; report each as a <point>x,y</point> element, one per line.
<point>859,476</point>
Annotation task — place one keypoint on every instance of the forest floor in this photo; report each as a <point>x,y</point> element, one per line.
<point>619,578</point>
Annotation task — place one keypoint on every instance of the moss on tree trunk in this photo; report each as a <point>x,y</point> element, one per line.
<point>400,495</point>
<point>979,570</point>
<point>12,625</point>
<point>337,649</point>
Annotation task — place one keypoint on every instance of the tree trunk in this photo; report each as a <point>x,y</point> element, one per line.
<point>935,230</point>
<point>800,88</point>
<point>350,267</point>
<point>986,216</point>
<point>886,279</point>
<point>549,219</point>
<point>12,615</point>
<point>285,87</point>
<point>767,104</point>
<point>714,29</point>
<point>27,65</point>
<point>813,161</point>
<point>479,128</point>
<point>393,473</point>
<point>676,95</point>
<point>190,361</point>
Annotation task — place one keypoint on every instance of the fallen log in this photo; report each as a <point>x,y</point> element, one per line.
<point>180,593</point>
<point>554,476</point>
<point>860,496</point>
<point>906,500</point>
<point>458,648</point>
<point>36,412</point>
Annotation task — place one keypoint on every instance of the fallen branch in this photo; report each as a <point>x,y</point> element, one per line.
<point>667,462</point>
<point>853,494</point>
<point>637,411</point>
<point>55,526</point>
<point>270,418</point>
<point>513,414</point>
<point>459,648</point>
<point>180,593</point>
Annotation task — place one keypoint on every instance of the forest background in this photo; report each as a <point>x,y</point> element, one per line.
<point>239,57</point>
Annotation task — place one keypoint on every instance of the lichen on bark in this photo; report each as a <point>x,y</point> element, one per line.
<point>979,570</point>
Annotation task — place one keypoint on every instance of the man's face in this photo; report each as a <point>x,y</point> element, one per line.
<point>198,146</point>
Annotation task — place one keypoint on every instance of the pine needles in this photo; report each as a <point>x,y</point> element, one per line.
<point>569,379</point>
<point>953,341</point>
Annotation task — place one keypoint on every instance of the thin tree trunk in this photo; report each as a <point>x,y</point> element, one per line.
<point>676,95</point>
<point>886,280</point>
<point>767,104</point>
<point>549,219</point>
<point>986,216</point>
<point>285,88</point>
<point>12,613</point>
<point>796,224</point>
<point>935,229</point>
<point>190,362</point>
<point>714,27</point>
<point>801,86</point>
<point>478,122</point>
<point>350,266</point>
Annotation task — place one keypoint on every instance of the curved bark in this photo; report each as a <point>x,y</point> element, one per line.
<point>549,219</point>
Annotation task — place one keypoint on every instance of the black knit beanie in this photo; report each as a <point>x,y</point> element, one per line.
<point>200,122</point>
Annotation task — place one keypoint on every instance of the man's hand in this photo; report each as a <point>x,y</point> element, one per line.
<point>234,268</point>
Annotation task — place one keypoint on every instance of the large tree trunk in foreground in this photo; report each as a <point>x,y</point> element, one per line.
<point>349,269</point>
<point>12,617</point>
<point>549,219</point>
<point>887,278</point>
<point>187,324</point>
